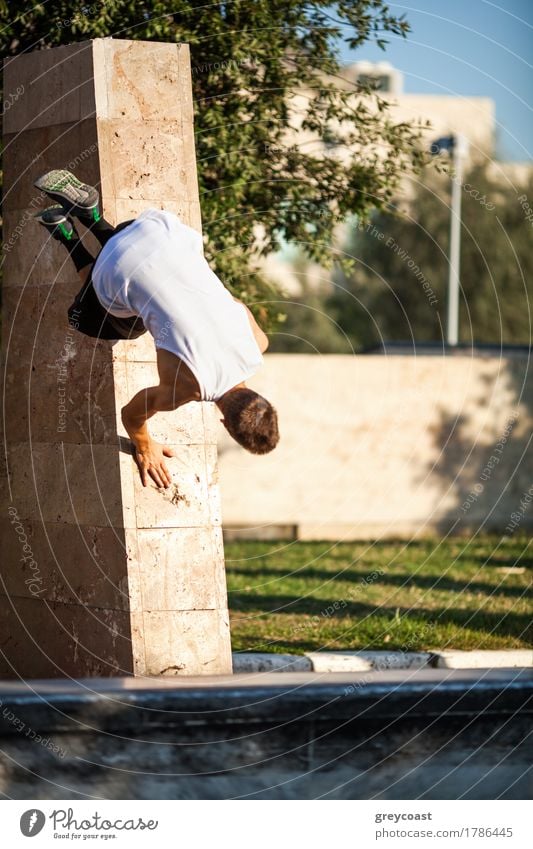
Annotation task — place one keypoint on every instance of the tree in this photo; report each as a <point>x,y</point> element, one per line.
<point>399,286</point>
<point>307,328</point>
<point>248,58</point>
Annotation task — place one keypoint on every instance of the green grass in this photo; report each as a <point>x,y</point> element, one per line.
<point>298,596</point>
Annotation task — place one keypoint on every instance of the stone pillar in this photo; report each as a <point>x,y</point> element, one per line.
<point>100,576</point>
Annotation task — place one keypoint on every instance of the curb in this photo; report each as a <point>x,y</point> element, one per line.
<point>373,661</point>
<point>266,662</point>
<point>509,659</point>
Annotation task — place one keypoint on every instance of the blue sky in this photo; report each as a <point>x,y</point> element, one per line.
<point>469,47</point>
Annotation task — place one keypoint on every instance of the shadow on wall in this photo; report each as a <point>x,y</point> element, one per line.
<point>484,455</point>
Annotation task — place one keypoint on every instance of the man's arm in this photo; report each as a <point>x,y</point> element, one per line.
<point>260,336</point>
<point>169,395</point>
<point>148,453</point>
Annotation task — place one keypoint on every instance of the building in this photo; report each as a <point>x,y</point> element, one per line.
<point>473,117</point>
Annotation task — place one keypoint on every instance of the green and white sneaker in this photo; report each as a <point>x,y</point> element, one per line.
<point>75,197</point>
<point>57,222</point>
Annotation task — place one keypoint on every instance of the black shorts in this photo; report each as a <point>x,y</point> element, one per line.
<point>87,315</point>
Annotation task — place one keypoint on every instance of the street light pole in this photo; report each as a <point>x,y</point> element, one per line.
<point>458,152</point>
<point>457,146</point>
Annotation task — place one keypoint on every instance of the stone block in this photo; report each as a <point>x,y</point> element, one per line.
<point>221,590</point>
<point>85,484</point>
<point>141,350</point>
<point>211,416</point>
<point>182,426</point>
<point>189,213</point>
<point>59,640</point>
<point>138,648</point>
<point>21,312</point>
<point>178,642</point>
<point>124,89</point>
<point>40,332</point>
<point>81,403</point>
<point>178,569</point>
<point>29,154</point>
<point>40,563</point>
<point>182,505</point>
<point>149,170</point>
<point>30,256</point>
<point>213,489</point>
<point>64,73</point>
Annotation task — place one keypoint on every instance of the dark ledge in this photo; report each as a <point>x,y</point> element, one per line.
<point>98,704</point>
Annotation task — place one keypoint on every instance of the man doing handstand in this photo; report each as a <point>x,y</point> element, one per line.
<point>207,342</point>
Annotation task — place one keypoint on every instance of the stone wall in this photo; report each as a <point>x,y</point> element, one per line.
<point>376,446</point>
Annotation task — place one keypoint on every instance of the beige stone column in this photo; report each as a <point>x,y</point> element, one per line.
<point>100,576</point>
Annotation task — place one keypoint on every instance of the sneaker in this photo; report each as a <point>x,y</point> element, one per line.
<point>56,221</point>
<point>74,196</point>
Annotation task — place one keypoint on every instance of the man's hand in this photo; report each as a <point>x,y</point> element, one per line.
<point>151,463</point>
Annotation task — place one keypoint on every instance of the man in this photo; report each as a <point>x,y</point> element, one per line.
<point>208,342</point>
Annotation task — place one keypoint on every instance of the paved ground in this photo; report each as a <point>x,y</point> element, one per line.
<point>392,734</point>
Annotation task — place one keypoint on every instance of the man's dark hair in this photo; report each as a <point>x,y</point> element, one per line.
<point>251,420</point>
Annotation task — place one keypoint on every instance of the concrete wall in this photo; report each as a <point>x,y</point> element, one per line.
<point>375,446</point>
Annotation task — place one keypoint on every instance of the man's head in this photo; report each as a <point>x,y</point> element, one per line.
<point>250,419</point>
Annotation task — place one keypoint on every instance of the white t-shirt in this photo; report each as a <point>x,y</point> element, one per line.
<point>155,268</point>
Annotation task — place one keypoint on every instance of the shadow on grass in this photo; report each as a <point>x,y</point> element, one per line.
<point>406,580</point>
<point>498,562</point>
<point>504,624</point>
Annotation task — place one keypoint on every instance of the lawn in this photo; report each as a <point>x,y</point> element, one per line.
<point>301,596</point>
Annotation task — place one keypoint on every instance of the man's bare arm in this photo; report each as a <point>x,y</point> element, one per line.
<point>260,336</point>
<point>148,453</point>
<point>169,395</point>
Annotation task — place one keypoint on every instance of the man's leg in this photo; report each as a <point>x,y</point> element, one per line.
<point>79,199</point>
<point>62,229</point>
<point>101,228</point>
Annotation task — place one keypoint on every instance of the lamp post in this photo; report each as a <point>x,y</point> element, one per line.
<point>457,147</point>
